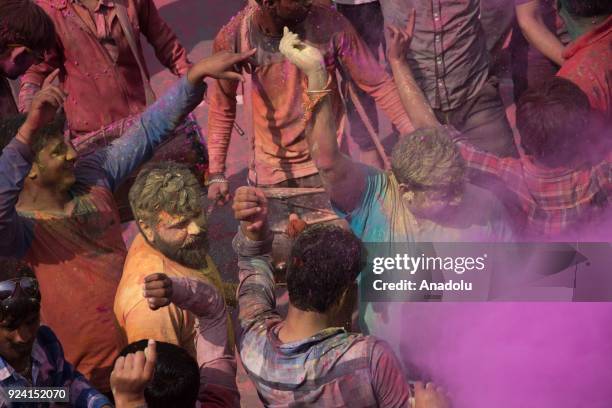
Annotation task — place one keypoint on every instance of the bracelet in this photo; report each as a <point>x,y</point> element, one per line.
<point>218,178</point>
<point>311,102</point>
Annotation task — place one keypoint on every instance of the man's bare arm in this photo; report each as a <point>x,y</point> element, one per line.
<point>416,105</point>
<point>534,29</point>
<point>343,179</point>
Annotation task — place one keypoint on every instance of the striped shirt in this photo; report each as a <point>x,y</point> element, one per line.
<point>332,368</point>
<point>50,369</point>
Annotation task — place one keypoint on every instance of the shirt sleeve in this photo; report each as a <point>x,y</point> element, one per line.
<point>166,324</point>
<point>222,109</point>
<point>16,231</point>
<point>507,169</point>
<point>167,47</point>
<point>108,167</point>
<point>256,298</point>
<point>388,382</point>
<point>370,76</point>
<point>32,80</point>
<point>215,359</point>
<point>80,392</point>
<point>375,184</point>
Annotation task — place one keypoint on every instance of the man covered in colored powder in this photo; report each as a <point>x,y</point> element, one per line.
<point>460,343</point>
<point>58,213</point>
<point>450,63</point>
<point>303,360</point>
<point>166,200</point>
<point>30,353</point>
<point>26,33</point>
<point>279,155</point>
<point>98,68</point>
<point>588,58</point>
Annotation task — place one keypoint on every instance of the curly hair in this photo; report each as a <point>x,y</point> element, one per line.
<point>11,124</point>
<point>428,157</point>
<point>23,22</point>
<point>325,260</point>
<point>165,186</point>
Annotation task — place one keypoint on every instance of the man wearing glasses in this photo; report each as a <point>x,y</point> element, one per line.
<point>26,32</point>
<point>31,354</point>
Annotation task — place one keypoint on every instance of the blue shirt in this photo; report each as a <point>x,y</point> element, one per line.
<point>50,369</point>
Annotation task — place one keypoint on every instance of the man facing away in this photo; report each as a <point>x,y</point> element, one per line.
<point>58,213</point>
<point>303,359</point>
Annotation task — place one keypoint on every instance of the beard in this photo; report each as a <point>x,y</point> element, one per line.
<point>192,254</point>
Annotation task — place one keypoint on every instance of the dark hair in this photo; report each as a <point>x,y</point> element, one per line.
<point>23,22</point>
<point>165,186</point>
<point>177,377</point>
<point>551,119</point>
<point>588,8</point>
<point>14,268</point>
<point>22,308</point>
<point>11,124</point>
<point>428,157</point>
<point>325,260</point>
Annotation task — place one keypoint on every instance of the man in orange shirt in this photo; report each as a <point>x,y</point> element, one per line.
<point>280,155</point>
<point>166,202</point>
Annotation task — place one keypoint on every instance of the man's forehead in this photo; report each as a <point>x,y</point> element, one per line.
<point>55,141</point>
<point>167,218</point>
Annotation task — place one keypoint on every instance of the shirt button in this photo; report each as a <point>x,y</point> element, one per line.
<point>436,16</point>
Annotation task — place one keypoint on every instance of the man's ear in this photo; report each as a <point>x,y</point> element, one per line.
<point>267,4</point>
<point>146,230</point>
<point>34,171</point>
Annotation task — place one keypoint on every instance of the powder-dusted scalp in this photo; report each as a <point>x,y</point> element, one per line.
<point>176,380</point>
<point>165,186</point>
<point>11,124</point>
<point>551,119</point>
<point>428,157</point>
<point>23,22</point>
<point>325,260</point>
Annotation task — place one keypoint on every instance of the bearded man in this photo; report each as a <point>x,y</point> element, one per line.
<point>166,200</point>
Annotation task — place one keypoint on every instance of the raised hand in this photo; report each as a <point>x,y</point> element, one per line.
<point>251,209</point>
<point>399,39</point>
<point>157,289</point>
<point>222,65</point>
<point>307,58</point>
<point>430,396</point>
<point>131,375</point>
<point>44,107</point>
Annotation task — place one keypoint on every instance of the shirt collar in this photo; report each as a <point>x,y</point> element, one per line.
<point>105,3</point>
<point>589,38</point>
<point>38,358</point>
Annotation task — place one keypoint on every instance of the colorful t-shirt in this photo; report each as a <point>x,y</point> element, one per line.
<point>78,255</point>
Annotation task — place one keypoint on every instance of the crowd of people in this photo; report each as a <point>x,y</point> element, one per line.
<point>147,321</point>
